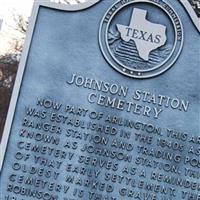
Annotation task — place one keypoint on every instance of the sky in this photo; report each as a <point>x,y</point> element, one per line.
<point>21,6</point>
<point>7,9</point>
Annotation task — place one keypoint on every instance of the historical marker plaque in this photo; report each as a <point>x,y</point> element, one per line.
<point>106,104</point>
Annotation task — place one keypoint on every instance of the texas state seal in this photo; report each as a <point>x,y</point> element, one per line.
<point>141,38</point>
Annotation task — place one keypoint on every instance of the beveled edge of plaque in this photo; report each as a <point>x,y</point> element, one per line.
<point>191,13</point>
<point>21,68</point>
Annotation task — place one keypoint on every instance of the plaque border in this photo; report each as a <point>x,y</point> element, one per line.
<point>22,64</point>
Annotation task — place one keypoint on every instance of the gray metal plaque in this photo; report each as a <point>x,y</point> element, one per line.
<point>106,104</point>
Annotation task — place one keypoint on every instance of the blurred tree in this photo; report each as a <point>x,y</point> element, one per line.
<point>21,24</point>
<point>68,1</point>
<point>8,69</point>
<point>9,64</point>
<point>196,6</point>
